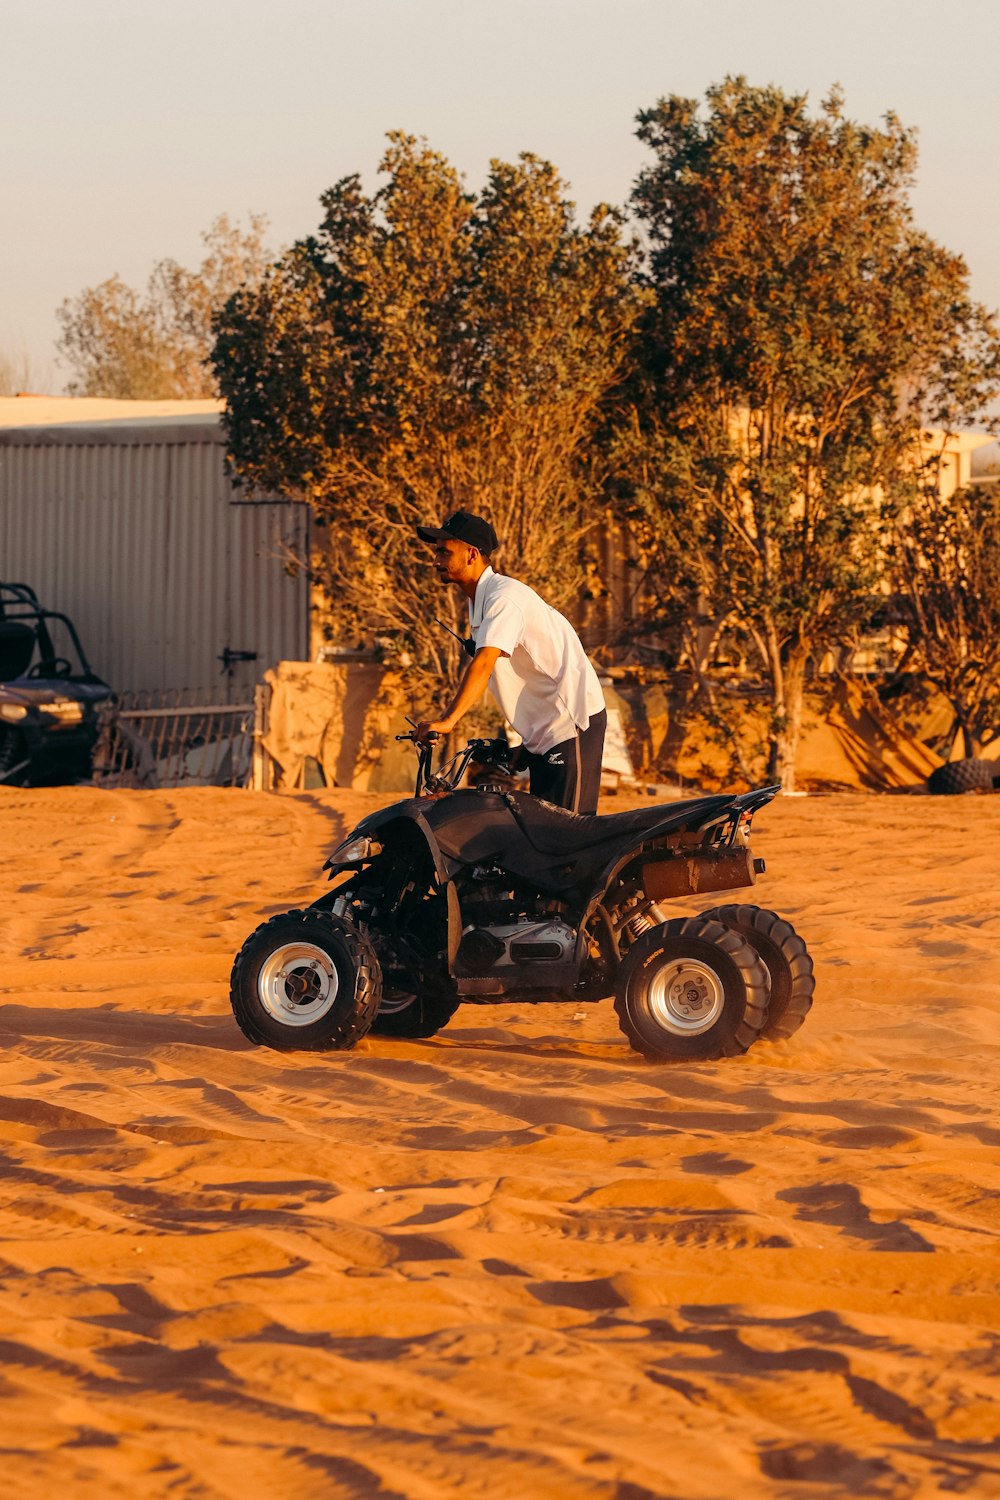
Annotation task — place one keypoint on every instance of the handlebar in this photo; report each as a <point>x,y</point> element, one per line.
<point>494,747</point>
<point>448,776</point>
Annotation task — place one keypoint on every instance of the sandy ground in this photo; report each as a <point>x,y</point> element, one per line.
<point>515,1260</point>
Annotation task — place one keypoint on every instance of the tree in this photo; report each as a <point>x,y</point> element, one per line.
<point>16,372</point>
<point>803,333</point>
<point>154,345</point>
<point>429,349</point>
<point>947,572</point>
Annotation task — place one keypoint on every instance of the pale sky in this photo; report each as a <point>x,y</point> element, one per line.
<point>129,125</point>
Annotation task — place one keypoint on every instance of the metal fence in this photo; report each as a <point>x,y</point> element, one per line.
<point>173,739</point>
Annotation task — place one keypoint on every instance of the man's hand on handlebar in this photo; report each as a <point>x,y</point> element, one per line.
<point>426,733</point>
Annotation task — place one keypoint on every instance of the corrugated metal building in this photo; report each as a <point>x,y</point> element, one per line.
<point>119,514</point>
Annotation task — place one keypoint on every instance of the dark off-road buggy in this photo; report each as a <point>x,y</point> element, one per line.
<point>49,696</point>
<point>490,895</point>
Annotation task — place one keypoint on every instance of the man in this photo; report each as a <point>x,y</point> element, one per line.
<point>531,659</point>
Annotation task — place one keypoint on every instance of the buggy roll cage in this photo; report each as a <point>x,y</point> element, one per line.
<point>19,606</point>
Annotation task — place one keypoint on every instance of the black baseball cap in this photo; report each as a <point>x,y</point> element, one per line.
<point>463,526</point>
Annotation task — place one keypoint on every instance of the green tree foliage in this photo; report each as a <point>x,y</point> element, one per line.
<point>803,332</point>
<point>428,349</point>
<point>946,566</point>
<point>154,345</point>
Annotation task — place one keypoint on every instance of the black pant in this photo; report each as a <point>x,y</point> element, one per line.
<point>570,774</point>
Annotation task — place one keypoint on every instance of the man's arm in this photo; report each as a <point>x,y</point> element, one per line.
<point>471,689</point>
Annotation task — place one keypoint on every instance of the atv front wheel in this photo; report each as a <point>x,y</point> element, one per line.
<point>306,980</point>
<point>784,956</point>
<point>403,1011</point>
<point>691,988</point>
<point>413,1015</point>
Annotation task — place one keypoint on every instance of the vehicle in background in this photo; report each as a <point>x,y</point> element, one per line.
<point>49,695</point>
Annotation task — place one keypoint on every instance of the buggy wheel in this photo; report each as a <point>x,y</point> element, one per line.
<point>14,764</point>
<point>784,956</point>
<point>691,988</point>
<point>414,1015</point>
<point>306,980</point>
<point>957,776</point>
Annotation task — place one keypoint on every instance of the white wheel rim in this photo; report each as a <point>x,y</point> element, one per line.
<point>393,1001</point>
<point>297,984</point>
<point>686,997</point>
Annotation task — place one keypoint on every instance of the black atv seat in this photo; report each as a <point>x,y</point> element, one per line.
<point>17,645</point>
<point>553,830</point>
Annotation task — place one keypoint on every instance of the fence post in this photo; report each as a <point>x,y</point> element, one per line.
<point>261,776</point>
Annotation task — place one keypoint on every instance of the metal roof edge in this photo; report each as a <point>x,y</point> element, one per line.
<point>203,428</point>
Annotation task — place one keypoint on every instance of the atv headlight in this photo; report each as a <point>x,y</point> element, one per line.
<point>354,852</point>
<point>13,712</point>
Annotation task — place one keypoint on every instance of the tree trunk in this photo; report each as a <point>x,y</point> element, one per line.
<point>788,681</point>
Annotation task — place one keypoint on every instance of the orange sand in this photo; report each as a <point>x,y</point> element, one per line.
<point>515,1260</point>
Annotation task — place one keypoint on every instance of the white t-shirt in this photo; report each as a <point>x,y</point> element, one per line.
<point>545,684</point>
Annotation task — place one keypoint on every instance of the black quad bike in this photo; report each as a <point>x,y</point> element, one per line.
<point>49,696</point>
<point>490,895</point>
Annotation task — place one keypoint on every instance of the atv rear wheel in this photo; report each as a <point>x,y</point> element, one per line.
<point>306,980</point>
<point>784,956</point>
<point>691,988</point>
<point>957,776</point>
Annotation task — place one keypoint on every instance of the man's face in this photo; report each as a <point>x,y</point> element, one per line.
<point>453,559</point>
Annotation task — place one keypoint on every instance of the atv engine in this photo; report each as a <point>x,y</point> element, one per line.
<point>504,946</point>
<point>505,927</point>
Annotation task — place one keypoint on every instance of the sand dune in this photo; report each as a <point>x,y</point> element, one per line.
<point>515,1260</point>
